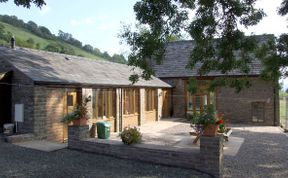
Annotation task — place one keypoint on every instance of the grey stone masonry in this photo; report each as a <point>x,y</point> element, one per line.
<point>78,132</point>
<point>211,150</point>
<point>208,159</point>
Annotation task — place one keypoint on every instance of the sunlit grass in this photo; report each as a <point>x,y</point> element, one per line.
<point>24,35</point>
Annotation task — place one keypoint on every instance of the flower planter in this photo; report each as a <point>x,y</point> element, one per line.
<point>81,121</point>
<point>210,130</point>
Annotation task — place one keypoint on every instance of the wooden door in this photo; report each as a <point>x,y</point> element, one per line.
<point>70,104</point>
<point>166,106</point>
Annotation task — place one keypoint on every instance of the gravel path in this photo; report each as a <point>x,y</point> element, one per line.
<point>264,153</point>
<point>21,162</point>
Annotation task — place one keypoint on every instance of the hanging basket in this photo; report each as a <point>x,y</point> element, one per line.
<point>210,130</point>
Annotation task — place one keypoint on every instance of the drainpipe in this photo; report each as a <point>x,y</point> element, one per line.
<point>275,105</point>
<point>120,111</point>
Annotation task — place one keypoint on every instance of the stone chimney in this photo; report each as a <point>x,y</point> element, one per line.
<point>12,42</point>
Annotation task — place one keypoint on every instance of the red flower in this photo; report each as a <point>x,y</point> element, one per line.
<point>221,121</point>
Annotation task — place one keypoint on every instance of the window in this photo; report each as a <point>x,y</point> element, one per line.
<point>151,99</point>
<point>130,101</point>
<point>104,103</point>
<point>70,100</point>
<point>198,101</point>
<point>258,111</point>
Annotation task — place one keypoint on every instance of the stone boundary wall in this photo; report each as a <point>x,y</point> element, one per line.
<point>208,159</point>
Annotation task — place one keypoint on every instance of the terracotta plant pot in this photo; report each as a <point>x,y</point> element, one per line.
<point>210,130</point>
<point>81,121</point>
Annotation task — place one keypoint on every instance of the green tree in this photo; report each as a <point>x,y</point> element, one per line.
<point>119,58</point>
<point>37,46</point>
<point>2,32</point>
<point>216,31</point>
<point>30,42</point>
<point>27,3</point>
<point>88,48</point>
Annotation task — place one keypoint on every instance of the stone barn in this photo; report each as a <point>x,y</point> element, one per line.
<point>37,89</point>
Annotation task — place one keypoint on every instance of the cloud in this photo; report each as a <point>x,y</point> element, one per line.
<point>45,10</point>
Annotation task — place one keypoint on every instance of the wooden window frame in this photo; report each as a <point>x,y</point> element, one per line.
<point>203,90</point>
<point>151,99</point>
<point>130,101</point>
<point>104,103</point>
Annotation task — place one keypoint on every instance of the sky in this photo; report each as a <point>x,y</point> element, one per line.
<point>98,22</point>
<point>95,22</point>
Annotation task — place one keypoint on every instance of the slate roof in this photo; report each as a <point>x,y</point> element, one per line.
<point>177,55</point>
<point>55,68</point>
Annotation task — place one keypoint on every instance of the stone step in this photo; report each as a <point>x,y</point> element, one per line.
<point>19,138</point>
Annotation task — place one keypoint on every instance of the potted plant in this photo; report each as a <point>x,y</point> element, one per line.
<point>78,116</point>
<point>207,121</point>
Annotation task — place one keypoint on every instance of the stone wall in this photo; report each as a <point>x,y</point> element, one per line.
<point>159,104</point>
<point>150,116</point>
<point>130,120</point>
<point>142,106</point>
<point>49,111</point>
<point>22,93</point>
<point>237,107</point>
<point>207,159</point>
<point>50,108</point>
<point>178,96</point>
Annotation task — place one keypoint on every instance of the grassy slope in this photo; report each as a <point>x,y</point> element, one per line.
<point>25,35</point>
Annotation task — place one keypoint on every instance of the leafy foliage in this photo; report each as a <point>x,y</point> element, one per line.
<point>220,43</point>
<point>131,135</point>
<point>27,3</point>
<point>206,117</point>
<point>80,112</point>
<point>59,48</point>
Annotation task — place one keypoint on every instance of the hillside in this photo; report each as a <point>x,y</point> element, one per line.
<point>30,35</point>
<point>23,35</point>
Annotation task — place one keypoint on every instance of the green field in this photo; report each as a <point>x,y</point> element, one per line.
<point>25,35</point>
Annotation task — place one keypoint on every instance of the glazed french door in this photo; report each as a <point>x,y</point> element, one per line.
<point>69,103</point>
<point>197,103</point>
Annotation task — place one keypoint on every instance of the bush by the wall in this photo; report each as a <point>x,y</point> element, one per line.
<point>131,135</point>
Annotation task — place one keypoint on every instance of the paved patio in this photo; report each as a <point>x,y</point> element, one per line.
<point>171,132</point>
<point>42,145</point>
<point>175,132</point>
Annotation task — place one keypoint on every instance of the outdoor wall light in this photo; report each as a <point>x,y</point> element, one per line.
<point>87,99</point>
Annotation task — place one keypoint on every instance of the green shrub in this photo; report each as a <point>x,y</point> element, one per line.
<point>206,117</point>
<point>131,136</point>
<point>79,112</point>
